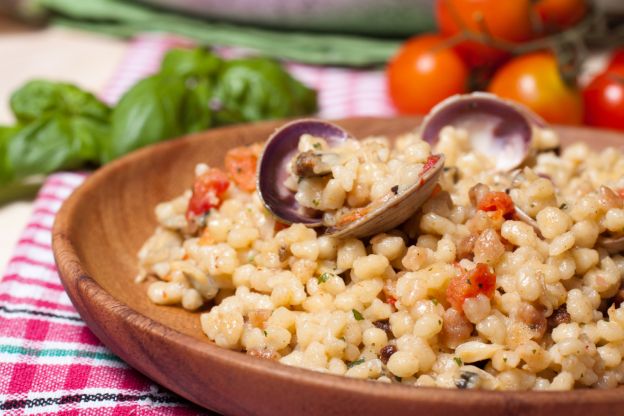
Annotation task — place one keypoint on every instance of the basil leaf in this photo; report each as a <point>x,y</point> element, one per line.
<point>146,114</point>
<point>258,88</point>
<point>157,108</point>
<point>53,142</point>
<point>38,98</point>
<point>195,114</point>
<point>6,170</point>
<point>64,128</point>
<point>190,62</point>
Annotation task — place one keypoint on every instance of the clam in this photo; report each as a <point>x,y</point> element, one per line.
<point>279,150</point>
<point>496,128</point>
<point>611,244</point>
<point>379,215</point>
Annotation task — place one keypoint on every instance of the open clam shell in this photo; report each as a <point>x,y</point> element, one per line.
<point>378,216</point>
<point>388,213</point>
<point>496,128</point>
<point>273,168</point>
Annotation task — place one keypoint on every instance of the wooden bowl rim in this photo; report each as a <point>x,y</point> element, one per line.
<point>71,272</point>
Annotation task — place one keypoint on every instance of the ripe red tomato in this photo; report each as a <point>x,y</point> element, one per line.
<point>424,73</point>
<point>505,20</point>
<point>534,81</point>
<point>207,191</point>
<point>604,99</point>
<point>617,59</point>
<point>560,14</point>
<point>469,284</point>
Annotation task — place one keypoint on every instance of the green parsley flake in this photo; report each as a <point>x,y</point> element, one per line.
<point>316,202</point>
<point>356,362</point>
<point>357,315</point>
<point>316,145</point>
<point>265,333</point>
<point>458,361</point>
<point>323,277</point>
<point>435,301</point>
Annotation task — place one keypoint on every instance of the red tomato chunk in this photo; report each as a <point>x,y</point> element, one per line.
<point>497,201</point>
<point>469,284</point>
<point>208,189</point>
<point>240,164</point>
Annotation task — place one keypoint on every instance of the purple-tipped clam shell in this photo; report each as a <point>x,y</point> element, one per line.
<point>496,128</point>
<point>273,168</point>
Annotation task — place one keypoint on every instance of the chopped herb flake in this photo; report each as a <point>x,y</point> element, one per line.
<point>357,315</point>
<point>265,333</point>
<point>315,202</point>
<point>458,361</point>
<point>316,145</point>
<point>435,301</point>
<point>395,189</point>
<point>323,277</point>
<point>563,206</point>
<point>356,362</point>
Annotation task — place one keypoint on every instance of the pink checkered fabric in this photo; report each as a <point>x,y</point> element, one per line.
<point>50,362</point>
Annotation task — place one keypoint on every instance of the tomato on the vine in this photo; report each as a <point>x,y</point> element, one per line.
<point>423,73</point>
<point>503,20</point>
<point>617,59</point>
<point>604,99</point>
<point>534,80</point>
<point>560,14</point>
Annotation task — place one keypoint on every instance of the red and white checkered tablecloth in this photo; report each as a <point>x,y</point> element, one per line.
<point>50,362</point>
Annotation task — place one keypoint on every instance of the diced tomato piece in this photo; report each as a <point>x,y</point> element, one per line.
<point>497,201</point>
<point>620,192</point>
<point>279,226</point>
<point>208,189</point>
<point>431,161</point>
<point>390,300</point>
<point>240,164</point>
<point>469,284</point>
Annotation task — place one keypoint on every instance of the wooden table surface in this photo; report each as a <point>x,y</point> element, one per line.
<point>83,58</point>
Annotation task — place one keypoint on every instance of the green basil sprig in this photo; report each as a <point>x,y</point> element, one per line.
<point>59,126</point>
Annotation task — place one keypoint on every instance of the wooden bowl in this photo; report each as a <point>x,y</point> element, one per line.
<point>101,227</point>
